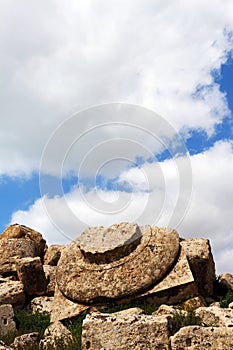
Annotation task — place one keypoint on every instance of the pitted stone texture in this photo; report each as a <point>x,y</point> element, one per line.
<point>227,280</point>
<point>17,231</point>
<point>59,333</point>
<point>3,346</point>
<point>12,249</point>
<point>57,336</point>
<point>216,316</point>
<point>42,305</point>
<point>201,261</point>
<point>50,274</point>
<point>53,254</point>
<point>11,292</point>
<point>202,338</point>
<point>63,308</point>
<point>103,244</point>
<point>194,303</point>
<point>145,265</point>
<point>31,274</point>
<point>123,330</point>
<point>177,285</point>
<point>25,341</point>
<point>7,323</point>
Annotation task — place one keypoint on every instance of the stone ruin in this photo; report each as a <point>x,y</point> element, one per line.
<point>113,265</point>
<point>125,262</point>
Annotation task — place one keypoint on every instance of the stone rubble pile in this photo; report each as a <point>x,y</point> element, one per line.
<point>119,264</point>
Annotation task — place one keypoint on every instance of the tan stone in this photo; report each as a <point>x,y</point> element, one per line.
<point>11,249</point>
<point>149,260</point>
<point>3,346</point>
<point>42,305</point>
<point>47,343</point>
<point>216,303</point>
<point>118,240</point>
<point>164,310</point>
<point>53,254</point>
<point>58,331</point>
<point>125,330</point>
<point>31,274</point>
<point>50,274</point>
<point>26,340</point>
<point>56,336</point>
<point>21,231</point>
<point>194,303</point>
<point>201,261</point>
<point>227,280</point>
<point>7,323</point>
<point>202,338</point>
<point>11,292</point>
<point>216,316</point>
<point>177,285</point>
<point>64,308</point>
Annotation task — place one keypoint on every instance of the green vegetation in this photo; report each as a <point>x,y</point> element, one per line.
<point>182,319</point>
<point>226,299</point>
<point>27,322</point>
<point>75,327</point>
<point>223,294</point>
<point>146,307</point>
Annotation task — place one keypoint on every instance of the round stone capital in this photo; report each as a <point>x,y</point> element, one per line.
<point>94,267</point>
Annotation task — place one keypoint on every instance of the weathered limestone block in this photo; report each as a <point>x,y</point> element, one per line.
<point>176,286</point>
<point>227,280</point>
<point>24,232</point>
<point>202,338</point>
<point>11,292</point>
<point>53,254</point>
<point>201,261</point>
<point>125,330</point>
<point>42,305</point>
<point>64,308</point>
<point>50,274</point>
<point>31,274</point>
<point>164,310</point>
<point>12,249</point>
<point>3,346</point>
<point>56,336</point>
<point>8,268</point>
<point>26,340</point>
<point>216,316</point>
<point>194,303</point>
<point>7,323</point>
<point>58,330</point>
<point>105,267</point>
<point>47,343</point>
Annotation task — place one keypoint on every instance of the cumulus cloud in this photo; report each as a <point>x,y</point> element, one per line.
<point>208,214</point>
<point>66,57</point>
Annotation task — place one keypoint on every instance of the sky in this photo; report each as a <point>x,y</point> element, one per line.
<point>118,111</point>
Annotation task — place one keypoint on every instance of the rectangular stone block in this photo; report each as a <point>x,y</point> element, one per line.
<point>202,338</point>
<point>11,292</point>
<point>129,329</point>
<point>7,322</point>
<point>31,274</point>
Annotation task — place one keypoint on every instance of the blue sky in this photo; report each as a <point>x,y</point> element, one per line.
<point>19,193</point>
<point>165,69</point>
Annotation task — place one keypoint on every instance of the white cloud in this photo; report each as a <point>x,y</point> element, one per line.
<point>209,213</point>
<point>70,55</point>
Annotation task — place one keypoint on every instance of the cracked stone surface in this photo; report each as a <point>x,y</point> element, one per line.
<point>115,269</point>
